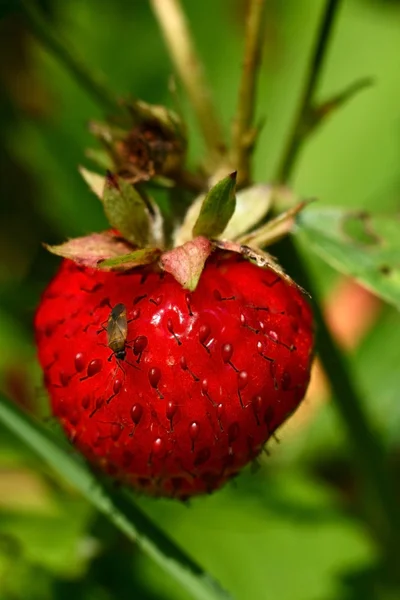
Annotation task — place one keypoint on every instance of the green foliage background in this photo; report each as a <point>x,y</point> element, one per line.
<point>292,530</point>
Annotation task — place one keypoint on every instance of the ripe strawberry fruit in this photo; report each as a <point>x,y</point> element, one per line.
<point>208,375</point>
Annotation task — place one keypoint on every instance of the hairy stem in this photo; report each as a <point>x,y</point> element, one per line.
<point>380,497</point>
<point>243,131</point>
<point>299,132</point>
<point>175,29</point>
<point>92,82</point>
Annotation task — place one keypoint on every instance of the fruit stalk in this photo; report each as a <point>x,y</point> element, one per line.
<point>175,29</point>
<point>243,131</point>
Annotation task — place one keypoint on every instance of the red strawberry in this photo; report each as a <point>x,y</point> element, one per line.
<point>208,375</point>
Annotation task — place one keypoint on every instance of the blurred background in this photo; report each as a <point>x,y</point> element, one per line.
<point>289,529</point>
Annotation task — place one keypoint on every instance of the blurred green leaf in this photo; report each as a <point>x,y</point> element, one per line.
<point>55,540</point>
<point>19,579</point>
<point>124,514</point>
<point>362,245</point>
<point>277,535</point>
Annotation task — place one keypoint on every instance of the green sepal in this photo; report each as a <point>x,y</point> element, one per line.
<point>186,263</point>
<point>144,256</point>
<point>91,249</point>
<point>252,205</point>
<point>274,229</point>
<point>217,208</point>
<point>126,210</point>
<point>259,257</point>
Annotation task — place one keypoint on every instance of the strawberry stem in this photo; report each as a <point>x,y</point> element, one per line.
<point>178,38</point>
<point>369,452</point>
<point>52,40</point>
<point>243,131</point>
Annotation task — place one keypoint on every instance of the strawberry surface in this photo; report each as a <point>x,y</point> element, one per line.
<point>207,378</point>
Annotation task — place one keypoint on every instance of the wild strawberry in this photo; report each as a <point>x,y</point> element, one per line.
<point>207,378</point>
<point>169,365</point>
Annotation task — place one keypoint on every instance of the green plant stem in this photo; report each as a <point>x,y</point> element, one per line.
<point>92,82</point>
<point>299,132</point>
<point>175,29</point>
<point>368,448</point>
<point>243,131</point>
<point>118,507</point>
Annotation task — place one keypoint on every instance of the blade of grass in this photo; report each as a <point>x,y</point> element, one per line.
<point>51,39</point>
<point>115,505</point>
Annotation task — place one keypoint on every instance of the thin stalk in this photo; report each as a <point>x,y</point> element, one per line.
<point>243,131</point>
<point>175,29</point>
<point>45,33</point>
<point>368,448</point>
<point>299,132</point>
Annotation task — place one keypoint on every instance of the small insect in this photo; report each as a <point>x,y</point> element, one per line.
<point>117,331</point>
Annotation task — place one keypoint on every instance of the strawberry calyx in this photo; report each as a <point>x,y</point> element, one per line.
<point>138,235</point>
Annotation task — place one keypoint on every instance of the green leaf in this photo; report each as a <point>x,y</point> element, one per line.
<point>217,208</point>
<point>250,534</point>
<point>53,541</point>
<point>116,506</point>
<point>126,210</point>
<point>359,244</point>
<point>143,256</point>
